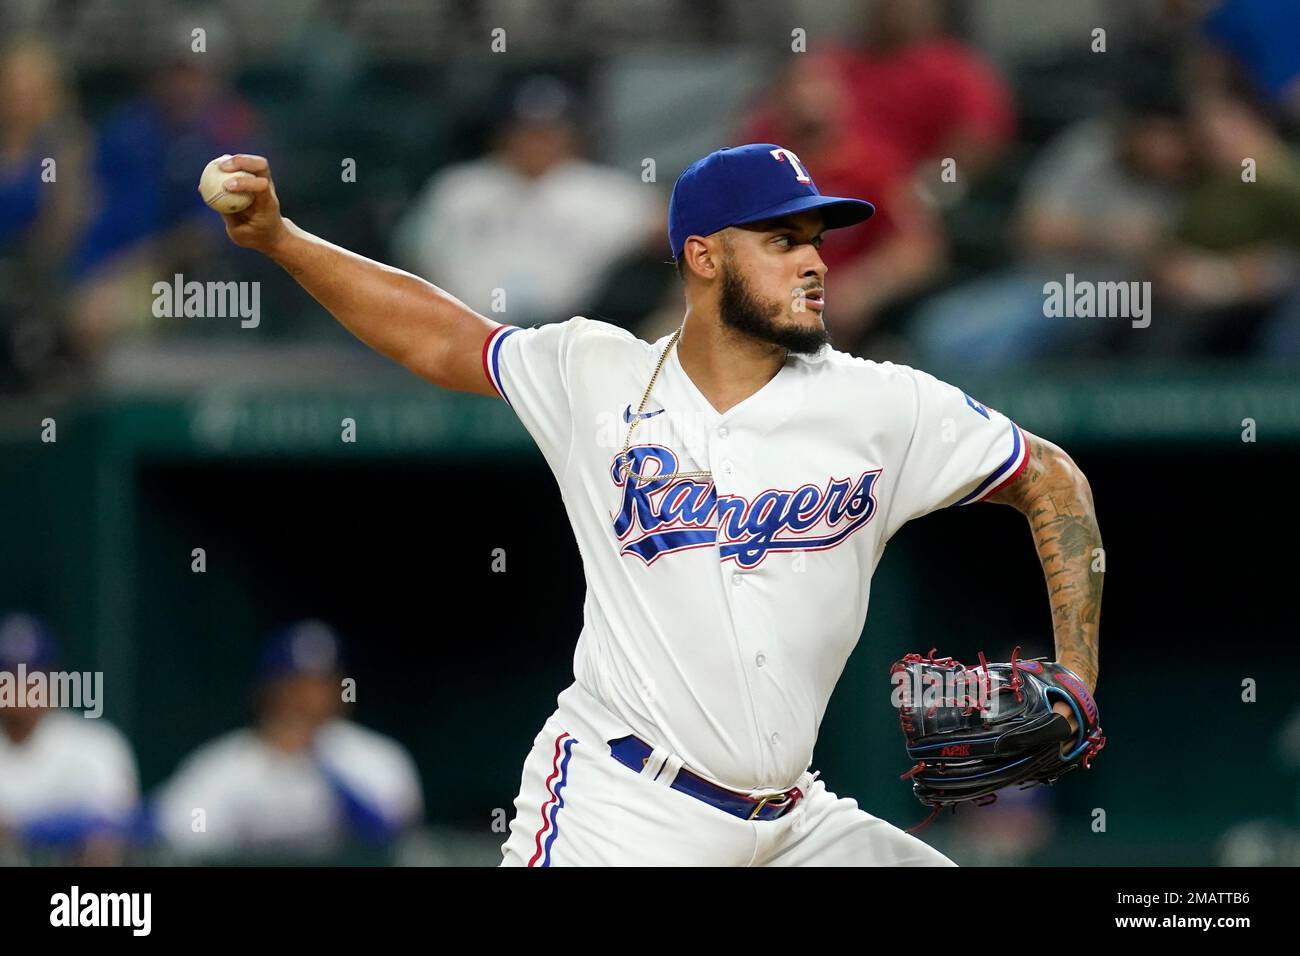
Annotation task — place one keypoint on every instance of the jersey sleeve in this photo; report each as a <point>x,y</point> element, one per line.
<point>529,368</point>
<point>378,771</point>
<point>960,451</point>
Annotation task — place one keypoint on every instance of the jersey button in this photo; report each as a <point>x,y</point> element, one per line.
<point>776,738</point>
<point>727,468</point>
<point>736,579</point>
<point>760,660</point>
<point>722,431</point>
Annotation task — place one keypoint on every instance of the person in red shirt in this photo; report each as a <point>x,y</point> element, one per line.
<point>877,120</point>
<point>810,111</point>
<point>930,95</point>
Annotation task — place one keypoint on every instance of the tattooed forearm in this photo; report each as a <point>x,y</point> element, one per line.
<point>1054,495</point>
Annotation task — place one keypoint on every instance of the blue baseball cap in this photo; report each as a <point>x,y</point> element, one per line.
<point>742,184</point>
<point>304,647</point>
<point>26,639</point>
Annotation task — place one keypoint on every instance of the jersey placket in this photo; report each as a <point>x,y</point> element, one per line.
<point>747,621</point>
<point>726,460</point>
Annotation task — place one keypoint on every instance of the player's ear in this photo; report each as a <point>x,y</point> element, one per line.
<point>701,257</point>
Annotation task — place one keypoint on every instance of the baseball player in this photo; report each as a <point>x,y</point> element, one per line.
<point>731,487</point>
<point>69,787</point>
<point>303,780</point>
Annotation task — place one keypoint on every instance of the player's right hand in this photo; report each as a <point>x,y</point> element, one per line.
<point>260,226</point>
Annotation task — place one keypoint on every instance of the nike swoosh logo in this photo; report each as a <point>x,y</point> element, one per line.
<point>628,416</point>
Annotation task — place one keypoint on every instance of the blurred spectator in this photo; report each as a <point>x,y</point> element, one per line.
<point>929,95</point>
<point>68,784</point>
<point>641,291</point>
<point>1097,203</point>
<point>42,146</point>
<point>810,111</point>
<point>533,219</point>
<point>149,222</point>
<point>870,121</point>
<point>1231,278</point>
<point>1257,38</point>
<point>303,781</point>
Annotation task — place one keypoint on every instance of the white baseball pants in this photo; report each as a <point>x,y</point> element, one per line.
<point>578,806</point>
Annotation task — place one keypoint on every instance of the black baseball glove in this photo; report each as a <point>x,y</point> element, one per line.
<point>972,731</point>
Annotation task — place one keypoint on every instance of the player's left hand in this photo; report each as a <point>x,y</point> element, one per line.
<point>1066,711</point>
<point>1023,743</point>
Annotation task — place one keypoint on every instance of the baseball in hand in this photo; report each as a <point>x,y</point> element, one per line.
<point>212,188</point>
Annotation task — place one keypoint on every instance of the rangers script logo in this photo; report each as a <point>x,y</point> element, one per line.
<point>659,517</point>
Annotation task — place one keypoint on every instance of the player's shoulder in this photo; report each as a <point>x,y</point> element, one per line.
<point>86,735</point>
<point>599,329</point>
<point>895,392</point>
<point>590,337</point>
<point>470,173</point>
<point>585,173</point>
<point>234,748</point>
<point>350,741</point>
<point>350,733</point>
<point>598,335</point>
<point>856,371</point>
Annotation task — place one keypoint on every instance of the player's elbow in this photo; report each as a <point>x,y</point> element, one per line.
<point>453,360</point>
<point>1065,473</point>
<point>428,360</point>
<point>1050,475</point>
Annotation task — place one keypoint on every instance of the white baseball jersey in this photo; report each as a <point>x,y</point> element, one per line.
<point>719,614</point>
<point>72,769</point>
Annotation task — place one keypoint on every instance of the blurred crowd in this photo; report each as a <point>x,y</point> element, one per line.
<point>301,782</point>
<point>1181,172</point>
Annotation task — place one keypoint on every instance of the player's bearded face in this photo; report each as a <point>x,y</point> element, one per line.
<point>768,320</point>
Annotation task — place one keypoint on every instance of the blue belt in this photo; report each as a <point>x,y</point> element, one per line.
<point>633,753</point>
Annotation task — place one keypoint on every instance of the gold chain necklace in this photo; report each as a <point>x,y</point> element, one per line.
<point>624,464</point>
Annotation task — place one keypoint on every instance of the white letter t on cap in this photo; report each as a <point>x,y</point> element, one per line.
<point>781,154</point>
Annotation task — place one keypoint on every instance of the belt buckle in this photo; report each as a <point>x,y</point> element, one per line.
<point>764,801</point>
